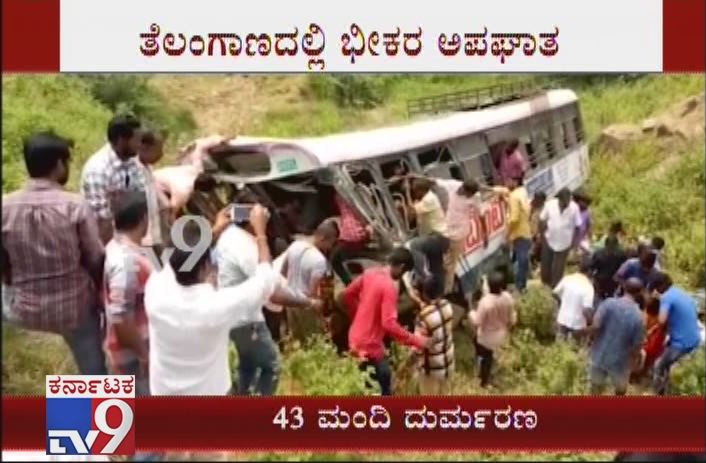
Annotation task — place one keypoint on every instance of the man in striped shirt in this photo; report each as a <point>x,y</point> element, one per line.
<point>52,255</point>
<point>436,363</point>
<point>112,171</point>
<point>125,275</point>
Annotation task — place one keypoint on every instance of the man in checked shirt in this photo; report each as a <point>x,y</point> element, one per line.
<point>52,255</point>
<point>113,170</point>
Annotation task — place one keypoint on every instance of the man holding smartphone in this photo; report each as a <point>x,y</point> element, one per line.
<point>237,259</point>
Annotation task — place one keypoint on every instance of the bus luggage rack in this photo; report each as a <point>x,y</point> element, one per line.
<point>474,99</point>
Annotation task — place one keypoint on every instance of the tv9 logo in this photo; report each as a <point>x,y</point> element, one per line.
<point>90,415</point>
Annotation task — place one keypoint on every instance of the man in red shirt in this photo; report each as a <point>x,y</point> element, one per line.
<point>371,301</point>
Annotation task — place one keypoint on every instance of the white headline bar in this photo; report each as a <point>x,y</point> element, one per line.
<point>365,36</point>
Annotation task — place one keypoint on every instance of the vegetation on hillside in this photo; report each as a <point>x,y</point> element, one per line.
<point>624,185</point>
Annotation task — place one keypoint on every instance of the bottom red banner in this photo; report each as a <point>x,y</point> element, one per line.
<point>392,423</point>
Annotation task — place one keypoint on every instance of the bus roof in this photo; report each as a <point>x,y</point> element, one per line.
<point>319,152</point>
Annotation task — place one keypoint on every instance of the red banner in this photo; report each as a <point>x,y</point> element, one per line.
<point>393,423</point>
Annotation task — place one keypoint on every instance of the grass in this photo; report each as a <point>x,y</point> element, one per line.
<point>624,185</point>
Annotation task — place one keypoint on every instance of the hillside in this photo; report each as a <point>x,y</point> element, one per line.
<point>654,184</point>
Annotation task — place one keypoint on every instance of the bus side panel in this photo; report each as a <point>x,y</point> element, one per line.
<point>569,171</point>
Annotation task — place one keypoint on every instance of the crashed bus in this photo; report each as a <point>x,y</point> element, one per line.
<point>359,165</point>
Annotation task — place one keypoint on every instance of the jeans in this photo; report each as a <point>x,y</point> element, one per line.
<point>85,343</point>
<point>660,379</point>
<point>520,254</point>
<point>274,324</point>
<point>381,374</point>
<point>433,247</point>
<point>256,352</point>
<point>142,383</point>
<point>485,360</point>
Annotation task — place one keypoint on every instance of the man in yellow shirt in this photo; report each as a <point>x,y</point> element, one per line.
<point>519,230</point>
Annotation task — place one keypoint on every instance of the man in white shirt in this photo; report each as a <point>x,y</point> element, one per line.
<point>560,221</point>
<point>576,296</point>
<point>305,266</point>
<point>237,257</point>
<point>189,319</point>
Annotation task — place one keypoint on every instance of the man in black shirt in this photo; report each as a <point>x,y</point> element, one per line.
<point>605,263</point>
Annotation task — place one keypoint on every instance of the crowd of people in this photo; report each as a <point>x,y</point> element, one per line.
<point>74,264</point>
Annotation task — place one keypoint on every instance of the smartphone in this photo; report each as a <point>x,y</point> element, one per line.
<point>240,213</point>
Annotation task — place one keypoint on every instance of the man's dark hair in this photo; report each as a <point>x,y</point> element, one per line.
<point>496,282</point>
<point>652,306</point>
<point>204,182</point>
<point>328,230</point>
<point>130,211</point>
<point>611,242</point>
<point>420,186</point>
<point>122,126</point>
<point>661,282</point>
<point>616,227</point>
<point>511,146</point>
<point>429,288</point>
<point>658,243</point>
<point>634,287</point>
<point>42,152</point>
<point>585,265</point>
<point>470,187</point>
<point>564,193</point>
<point>648,258</point>
<point>151,136</point>
<point>192,235</point>
<point>539,197</point>
<point>401,257</point>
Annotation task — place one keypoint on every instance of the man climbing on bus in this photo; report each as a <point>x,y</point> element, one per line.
<point>432,239</point>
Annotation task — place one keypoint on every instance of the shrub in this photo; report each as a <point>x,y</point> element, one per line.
<point>317,369</point>
<point>133,94</point>
<point>688,377</point>
<point>351,91</point>
<point>536,311</point>
<point>62,104</point>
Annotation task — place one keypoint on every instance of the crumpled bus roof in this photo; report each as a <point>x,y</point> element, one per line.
<point>323,151</point>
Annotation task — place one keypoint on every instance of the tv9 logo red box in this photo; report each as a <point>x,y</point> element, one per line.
<point>90,415</point>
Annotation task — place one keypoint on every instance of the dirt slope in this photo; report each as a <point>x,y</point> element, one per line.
<point>228,104</point>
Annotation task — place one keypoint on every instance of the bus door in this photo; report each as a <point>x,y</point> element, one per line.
<point>362,185</point>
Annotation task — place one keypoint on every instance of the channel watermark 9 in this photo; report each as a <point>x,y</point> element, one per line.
<point>196,251</point>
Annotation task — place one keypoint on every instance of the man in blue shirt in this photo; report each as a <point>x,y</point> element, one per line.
<point>678,312</point>
<point>642,268</point>
<point>618,330</point>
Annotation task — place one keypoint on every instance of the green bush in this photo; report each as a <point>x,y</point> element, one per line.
<point>317,369</point>
<point>655,192</point>
<point>536,311</point>
<point>133,94</point>
<point>351,91</point>
<point>688,377</point>
<point>62,104</point>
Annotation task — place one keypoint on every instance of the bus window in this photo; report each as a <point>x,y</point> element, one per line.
<point>428,157</point>
<point>479,168</point>
<point>564,135</point>
<point>375,197</point>
<point>569,134</point>
<point>445,166</point>
<point>578,129</point>
<point>530,153</point>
